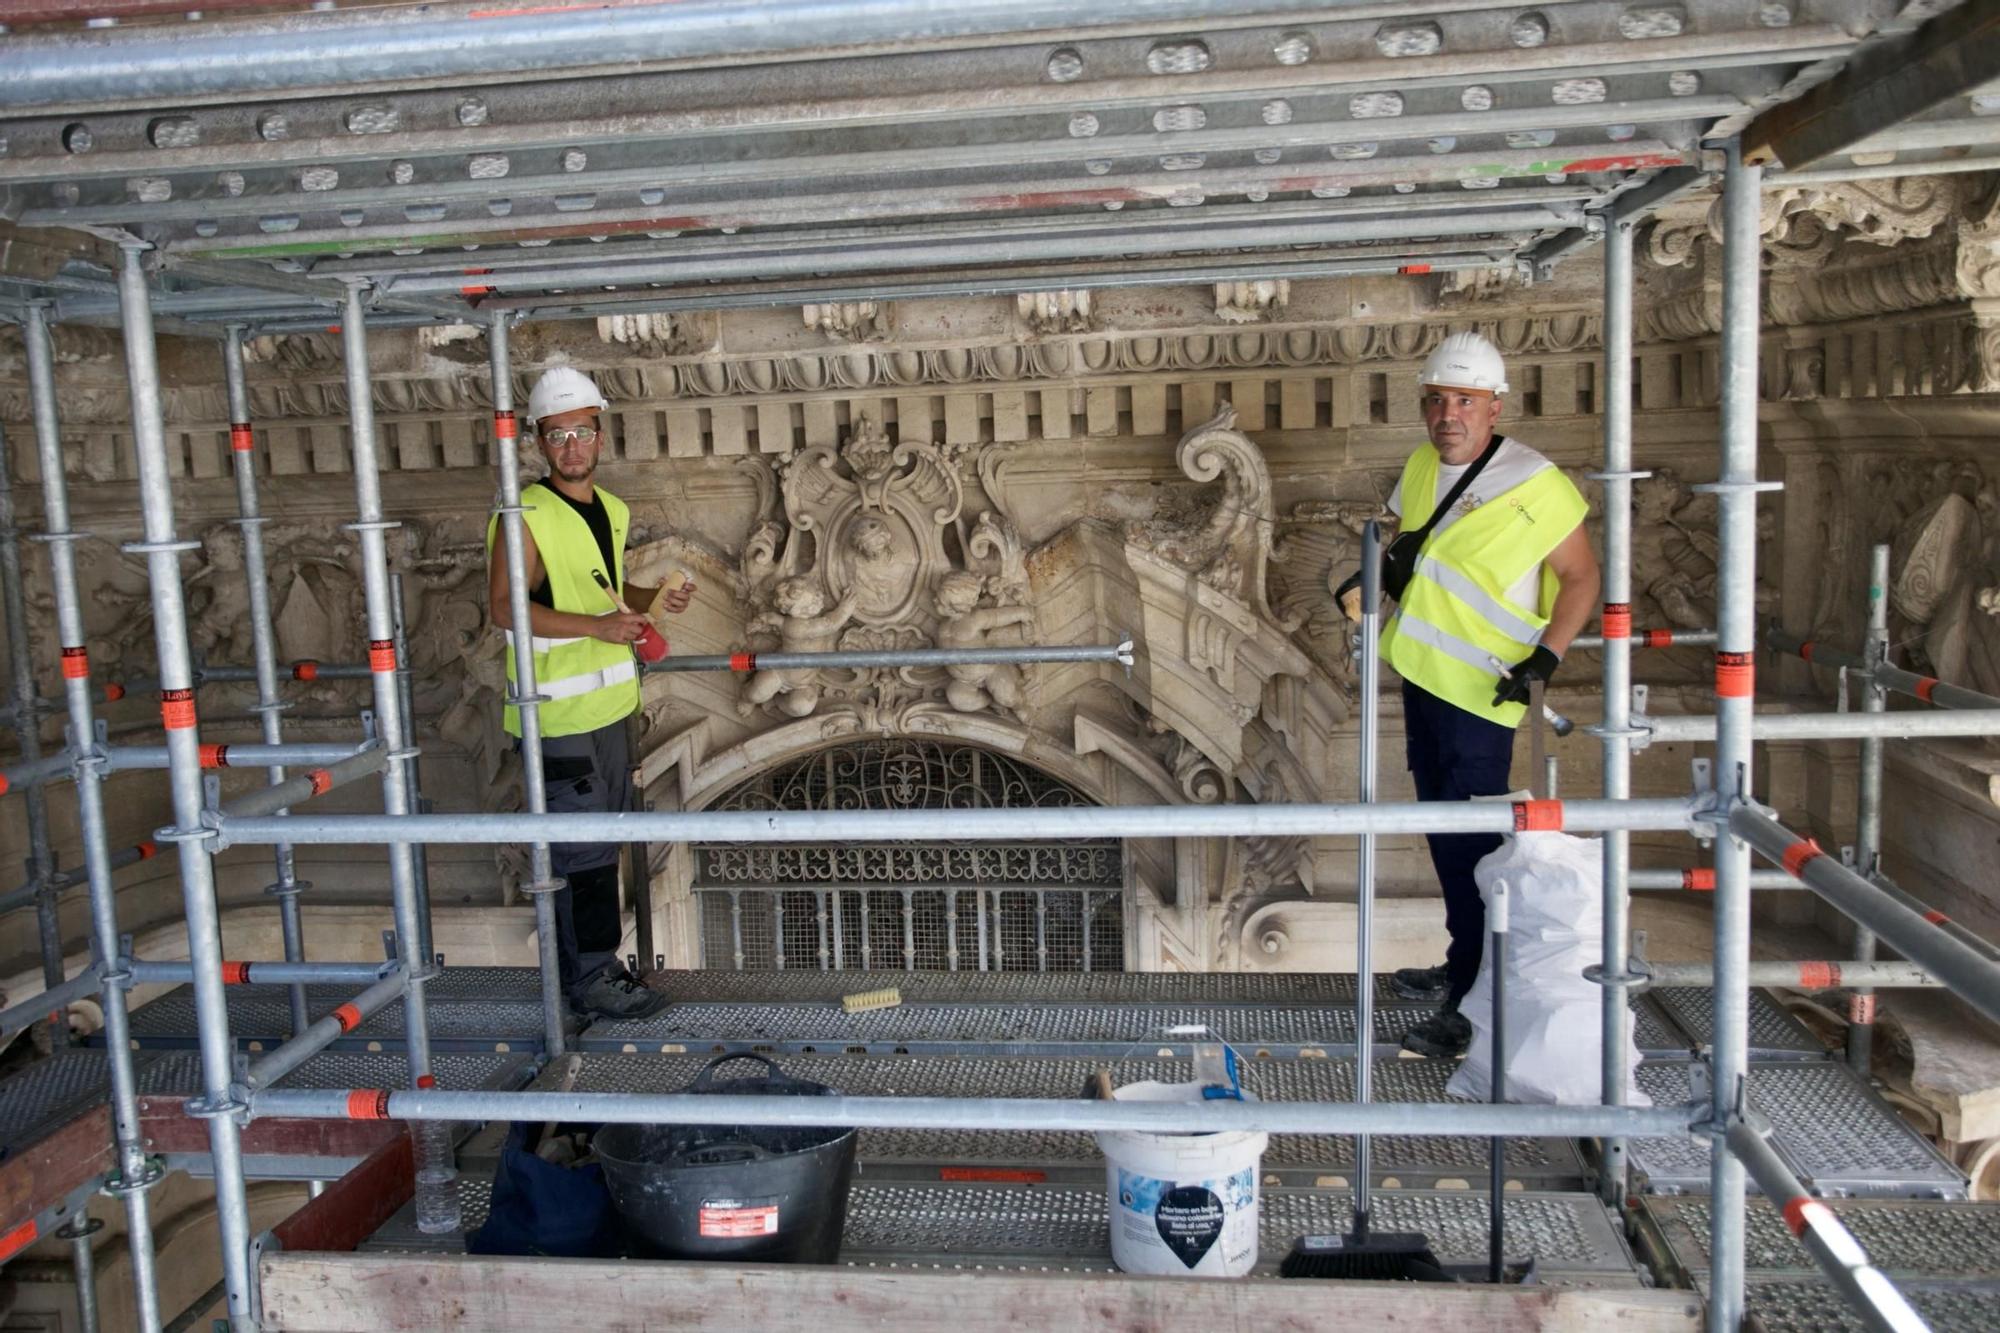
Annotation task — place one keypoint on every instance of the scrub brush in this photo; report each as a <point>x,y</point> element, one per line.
<point>887,998</point>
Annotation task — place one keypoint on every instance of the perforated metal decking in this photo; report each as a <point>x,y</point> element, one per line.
<point>1065,1228</point>
<point>1830,1128</point>
<point>1944,1256</point>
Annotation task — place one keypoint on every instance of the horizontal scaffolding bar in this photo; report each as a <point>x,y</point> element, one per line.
<point>301,670</point>
<point>39,1006</point>
<point>282,1060</point>
<point>69,879</point>
<point>992,1113</point>
<point>280,52</point>
<point>1800,976</point>
<point>1652,638</point>
<point>1121,653</point>
<point>122,757</point>
<point>813,826</point>
<point>1701,879</point>
<point>1928,688</point>
<point>61,766</point>
<point>1908,724</point>
<point>146,972</point>
<point>303,787</point>
<point>1830,1244</point>
<point>48,768</point>
<point>1915,934</point>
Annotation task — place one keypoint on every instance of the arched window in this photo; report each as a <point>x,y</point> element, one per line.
<point>1054,906</point>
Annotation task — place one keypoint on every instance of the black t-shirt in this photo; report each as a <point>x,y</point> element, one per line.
<point>598,520</point>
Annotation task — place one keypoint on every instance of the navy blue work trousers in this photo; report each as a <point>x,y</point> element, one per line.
<point>1453,755</point>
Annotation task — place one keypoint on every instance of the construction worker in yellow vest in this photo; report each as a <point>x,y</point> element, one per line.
<point>585,667</point>
<point>1503,581</point>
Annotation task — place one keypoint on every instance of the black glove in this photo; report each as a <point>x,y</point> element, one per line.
<point>1541,665</point>
<point>1353,584</point>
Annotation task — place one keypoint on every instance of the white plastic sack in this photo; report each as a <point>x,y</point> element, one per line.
<point>1555,1036</point>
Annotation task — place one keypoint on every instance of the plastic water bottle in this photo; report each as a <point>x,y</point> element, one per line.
<point>437,1177</point>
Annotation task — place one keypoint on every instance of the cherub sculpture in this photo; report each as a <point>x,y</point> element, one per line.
<point>804,630</point>
<point>963,623</point>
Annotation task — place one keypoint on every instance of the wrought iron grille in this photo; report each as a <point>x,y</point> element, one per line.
<point>916,906</point>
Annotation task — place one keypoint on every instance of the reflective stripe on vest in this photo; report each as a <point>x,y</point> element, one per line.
<point>571,686</point>
<point>588,683</point>
<point>1454,621</point>
<point>1500,614</point>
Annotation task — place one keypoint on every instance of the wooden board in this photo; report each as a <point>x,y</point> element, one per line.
<point>44,1173</point>
<point>364,1293</point>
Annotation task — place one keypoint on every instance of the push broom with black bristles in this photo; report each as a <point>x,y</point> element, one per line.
<point>1363,1254</point>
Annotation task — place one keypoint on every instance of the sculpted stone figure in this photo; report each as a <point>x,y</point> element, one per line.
<point>807,628</point>
<point>963,623</point>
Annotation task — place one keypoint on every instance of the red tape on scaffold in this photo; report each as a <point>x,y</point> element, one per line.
<point>1798,854</point>
<point>177,709</point>
<point>1538,816</point>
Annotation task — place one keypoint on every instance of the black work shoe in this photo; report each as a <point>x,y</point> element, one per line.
<point>1427,985</point>
<point>1442,1036</point>
<point>618,994</point>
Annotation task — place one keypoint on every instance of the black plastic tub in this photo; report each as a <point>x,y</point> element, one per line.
<point>739,1193</point>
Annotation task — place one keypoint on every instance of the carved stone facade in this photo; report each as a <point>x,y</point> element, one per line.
<point>1188,466</point>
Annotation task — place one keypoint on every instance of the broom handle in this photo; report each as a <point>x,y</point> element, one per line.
<point>1496,1225</point>
<point>1364,923</point>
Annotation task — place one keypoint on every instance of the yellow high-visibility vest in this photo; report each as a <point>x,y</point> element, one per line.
<point>588,683</point>
<point>1454,618</point>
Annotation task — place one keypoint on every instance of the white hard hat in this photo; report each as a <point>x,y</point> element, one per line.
<point>561,389</point>
<point>1466,361</point>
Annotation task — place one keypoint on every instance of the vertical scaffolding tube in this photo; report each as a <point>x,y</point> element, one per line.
<point>407,695</point>
<point>177,713</point>
<point>134,1173</point>
<point>1364,916</point>
<point>1868,804</point>
<point>1735,685</point>
<point>526,701</point>
<point>389,720</point>
<point>264,644</point>
<point>1616,731</point>
<point>28,726</point>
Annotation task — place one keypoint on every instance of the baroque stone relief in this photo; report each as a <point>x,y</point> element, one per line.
<point>1944,593</point>
<point>872,552</point>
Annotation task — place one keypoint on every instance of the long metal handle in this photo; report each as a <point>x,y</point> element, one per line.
<point>1370,671</point>
<point>1496,1223</point>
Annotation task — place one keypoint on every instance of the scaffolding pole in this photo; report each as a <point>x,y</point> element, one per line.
<point>406,694</point>
<point>162,550</point>
<point>264,644</point>
<point>1735,649</point>
<point>136,1174</point>
<point>1484,1119</point>
<point>373,529</point>
<point>1868,800</point>
<point>1913,931</point>
<point>1927,688</point>
<point>526,702</point>
<point>41,860</point>
<point>1616,731</point>
<point>1118,821</point>
<point>1120,653</point>
<point>1904,724</point>
<point>1830,1244</point>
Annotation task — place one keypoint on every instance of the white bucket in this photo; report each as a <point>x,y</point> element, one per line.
<point>1182,1205</point>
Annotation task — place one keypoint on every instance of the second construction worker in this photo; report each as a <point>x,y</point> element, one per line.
<point>586,669</point>
<point>1493,579</point>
